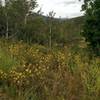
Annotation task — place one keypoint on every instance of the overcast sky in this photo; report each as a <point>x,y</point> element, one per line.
<point>62,8</point>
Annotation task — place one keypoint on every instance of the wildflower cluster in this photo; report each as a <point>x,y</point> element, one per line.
<point>3,75</point>
<point>53,73</point>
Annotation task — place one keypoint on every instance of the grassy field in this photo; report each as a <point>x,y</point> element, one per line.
<point>33,72</point>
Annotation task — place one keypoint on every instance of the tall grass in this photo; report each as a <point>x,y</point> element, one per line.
<point>49,75</point>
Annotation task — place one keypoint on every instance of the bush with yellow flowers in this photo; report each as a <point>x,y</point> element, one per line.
<point>3,75</point>
<point>55,74</point>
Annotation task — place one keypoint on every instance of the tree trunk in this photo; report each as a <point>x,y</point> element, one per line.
<point>7,29</point>
<point>50,38</point>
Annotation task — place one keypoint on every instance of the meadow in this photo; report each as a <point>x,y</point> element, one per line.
<point>49,58</point>
<point>34,72</point>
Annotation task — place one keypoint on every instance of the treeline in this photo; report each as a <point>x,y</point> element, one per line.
<point>19,22</point>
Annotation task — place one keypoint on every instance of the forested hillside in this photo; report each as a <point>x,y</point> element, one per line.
<point>18,22</point>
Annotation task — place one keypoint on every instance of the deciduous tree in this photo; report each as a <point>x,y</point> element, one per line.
<point>91,29</point>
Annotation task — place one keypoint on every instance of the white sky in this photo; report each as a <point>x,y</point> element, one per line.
<point>62,8</point>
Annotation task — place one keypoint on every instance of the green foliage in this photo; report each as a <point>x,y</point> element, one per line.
<point>91,29</point>
<point>15,14</point>
<point>6,61</point>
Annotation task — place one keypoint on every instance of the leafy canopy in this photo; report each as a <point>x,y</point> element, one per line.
<point>91,29</point>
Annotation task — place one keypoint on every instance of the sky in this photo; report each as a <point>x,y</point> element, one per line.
<point>62,8</point>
